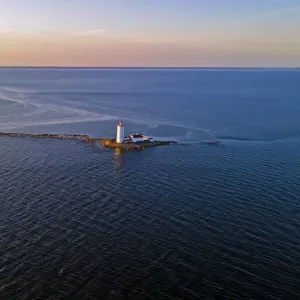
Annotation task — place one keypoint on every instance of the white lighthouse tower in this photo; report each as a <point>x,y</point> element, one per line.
<point>120,132</point>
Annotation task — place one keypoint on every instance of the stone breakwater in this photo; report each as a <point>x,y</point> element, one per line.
<point>45,135</point>
<point>106,142</point>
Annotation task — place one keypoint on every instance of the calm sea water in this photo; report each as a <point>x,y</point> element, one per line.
<point>189,221</point>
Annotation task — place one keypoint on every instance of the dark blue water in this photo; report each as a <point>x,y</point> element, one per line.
<point>189,221</point>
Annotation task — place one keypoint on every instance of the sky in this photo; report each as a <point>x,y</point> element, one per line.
<point>225,33</point>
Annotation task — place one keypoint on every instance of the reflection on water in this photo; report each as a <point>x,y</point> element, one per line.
<point>118,156</point>
<point>117,152</point>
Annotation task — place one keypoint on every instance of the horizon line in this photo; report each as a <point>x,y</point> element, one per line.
<point>147,67</point>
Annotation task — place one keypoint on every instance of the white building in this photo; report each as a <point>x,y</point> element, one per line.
<point>120,133</point>
<point>138,137</point>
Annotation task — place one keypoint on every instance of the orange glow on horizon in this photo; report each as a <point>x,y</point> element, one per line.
<point>34,49</point>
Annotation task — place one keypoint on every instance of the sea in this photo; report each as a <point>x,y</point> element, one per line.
<point>192,220</point>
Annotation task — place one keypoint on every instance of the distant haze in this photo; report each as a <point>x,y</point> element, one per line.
<point>150,33</point>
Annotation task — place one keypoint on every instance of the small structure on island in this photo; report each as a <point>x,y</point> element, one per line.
<point>137,137</point>
<point>120,133</point>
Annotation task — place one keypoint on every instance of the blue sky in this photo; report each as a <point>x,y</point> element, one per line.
<point>153,32</point>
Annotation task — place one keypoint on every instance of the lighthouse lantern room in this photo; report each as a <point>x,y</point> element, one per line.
<point>120,133</point>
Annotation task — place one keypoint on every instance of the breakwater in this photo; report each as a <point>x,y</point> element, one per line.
<point>106,142</point>
<point>45,135</point>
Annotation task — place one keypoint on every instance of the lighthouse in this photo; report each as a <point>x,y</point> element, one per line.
<point>120,132</point>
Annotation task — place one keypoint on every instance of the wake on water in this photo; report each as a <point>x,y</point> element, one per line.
<point>28,108</point>
<point>25,109</point>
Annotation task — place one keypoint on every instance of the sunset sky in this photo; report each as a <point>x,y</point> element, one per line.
<point>150,33</point>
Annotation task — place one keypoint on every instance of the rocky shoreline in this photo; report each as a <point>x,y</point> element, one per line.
<point>106,142</point>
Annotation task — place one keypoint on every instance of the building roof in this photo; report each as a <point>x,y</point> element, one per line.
<point>120,123</point>
<point>138,135</point>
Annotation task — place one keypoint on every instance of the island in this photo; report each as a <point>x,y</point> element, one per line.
<point>134,141</point>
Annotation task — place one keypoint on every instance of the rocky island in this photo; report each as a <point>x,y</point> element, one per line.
<point>133,141</point>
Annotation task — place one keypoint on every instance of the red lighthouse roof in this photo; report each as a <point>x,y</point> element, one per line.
<point>120,123</point>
